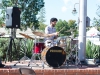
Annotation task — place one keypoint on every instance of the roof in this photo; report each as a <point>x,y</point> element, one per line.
<point>28,32</point>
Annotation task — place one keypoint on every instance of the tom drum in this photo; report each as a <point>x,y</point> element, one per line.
<point>38,47</point>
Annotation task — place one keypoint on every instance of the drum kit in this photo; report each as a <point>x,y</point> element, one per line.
<point>53,53</point>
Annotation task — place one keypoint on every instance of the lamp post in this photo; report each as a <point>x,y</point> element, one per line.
<point>82,28</point>
<point>74,11</point>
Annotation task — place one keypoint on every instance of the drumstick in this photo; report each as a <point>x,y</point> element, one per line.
<point>61,29</point>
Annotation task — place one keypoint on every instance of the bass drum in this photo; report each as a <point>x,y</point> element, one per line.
<point>54,56</point>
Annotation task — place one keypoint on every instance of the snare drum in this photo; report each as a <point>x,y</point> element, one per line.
<point>38,47</point>
<point>54,56</point>
<point>50,43</point>
<point>62,42</point>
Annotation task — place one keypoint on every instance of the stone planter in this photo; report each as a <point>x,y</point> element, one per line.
<point>91,61</point>
<point>97,61</point>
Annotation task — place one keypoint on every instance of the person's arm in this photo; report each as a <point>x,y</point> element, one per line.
<point>50,35</point>
<point>53,34</point>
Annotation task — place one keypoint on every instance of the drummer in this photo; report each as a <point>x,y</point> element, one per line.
<point>50,30</point>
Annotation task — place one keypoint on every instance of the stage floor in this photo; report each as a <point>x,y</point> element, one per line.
<point>38,65</point>
<point>62,70</point>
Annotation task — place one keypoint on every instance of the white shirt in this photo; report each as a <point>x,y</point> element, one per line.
<point>49,30</point>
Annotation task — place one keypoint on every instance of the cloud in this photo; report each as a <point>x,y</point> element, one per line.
<point>66,1</point>
<point>74,1</point>
<point>68,4</point>
<point>64,9</point>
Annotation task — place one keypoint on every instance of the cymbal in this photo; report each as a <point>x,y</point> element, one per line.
<point>26,36</point>
<point>39,34</point>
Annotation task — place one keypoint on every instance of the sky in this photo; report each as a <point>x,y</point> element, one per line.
<point>62,9</point>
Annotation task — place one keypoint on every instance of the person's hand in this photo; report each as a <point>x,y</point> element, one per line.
<point>2,34</point>
<point>56,33</point>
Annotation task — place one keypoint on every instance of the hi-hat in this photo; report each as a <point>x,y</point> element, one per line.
<point>40,34</point>
<point>26,36</point>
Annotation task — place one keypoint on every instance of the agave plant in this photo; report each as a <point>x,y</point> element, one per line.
<point>96,54</point>
<point>3,47</point>
<point>92,50</point>
<point>29,46</point>
<point>89,51</point>
<point>26,47</point>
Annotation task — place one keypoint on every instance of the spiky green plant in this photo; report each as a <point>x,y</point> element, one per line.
<point>3,47</point>
<point>89,51</point>
<point>28,46</point>
<point>20,47</point>
<point>92,50</point>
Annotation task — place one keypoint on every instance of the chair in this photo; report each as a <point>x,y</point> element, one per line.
<point>26,71</point>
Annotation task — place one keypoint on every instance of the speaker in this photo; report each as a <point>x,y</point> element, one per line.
<point>13,17</point>
<point>87,21</point>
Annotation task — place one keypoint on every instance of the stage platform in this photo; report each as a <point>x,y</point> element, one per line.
<point>62,70</point>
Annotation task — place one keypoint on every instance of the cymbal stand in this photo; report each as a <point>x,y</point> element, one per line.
<point>77,61</point>
<point>24,57</point>
<point>71,56</point>
<point>34,54</point>
<point>74,56</point>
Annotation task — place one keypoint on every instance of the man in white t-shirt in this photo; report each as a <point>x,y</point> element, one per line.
<point>50,30</point>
